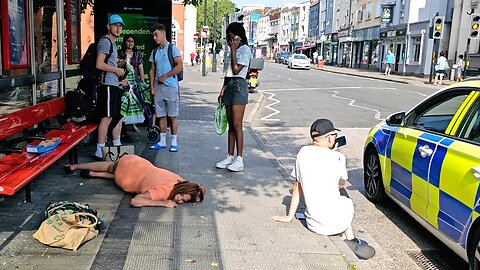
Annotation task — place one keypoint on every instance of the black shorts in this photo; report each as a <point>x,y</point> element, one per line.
<point>109,101</point>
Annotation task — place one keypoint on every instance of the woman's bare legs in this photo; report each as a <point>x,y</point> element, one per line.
<point>102,175</point>
<point>235,128</point>
<point>101,166</point>
<point>100,169</point>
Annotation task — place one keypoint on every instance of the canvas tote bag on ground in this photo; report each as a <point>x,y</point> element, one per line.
<point>66,230</point>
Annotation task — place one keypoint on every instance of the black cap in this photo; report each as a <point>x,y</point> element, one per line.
<point>321,127</point>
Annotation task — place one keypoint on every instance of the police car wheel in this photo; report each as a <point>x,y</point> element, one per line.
<point>474,251</point>
<point>372,175</point>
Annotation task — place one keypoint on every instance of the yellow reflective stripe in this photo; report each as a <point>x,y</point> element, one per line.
<point>459,112</point>
<point>464,112</point>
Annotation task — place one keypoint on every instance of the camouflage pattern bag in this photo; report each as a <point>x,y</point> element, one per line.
<point>66,207</point>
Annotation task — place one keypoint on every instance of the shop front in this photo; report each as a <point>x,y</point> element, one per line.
<point>393,39</point>
<point>366,48</point>
<point>344,48</point>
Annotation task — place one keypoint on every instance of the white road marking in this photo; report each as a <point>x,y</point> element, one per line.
<point>329,89</point>
<point>269,106</point>
<point>352,103</point>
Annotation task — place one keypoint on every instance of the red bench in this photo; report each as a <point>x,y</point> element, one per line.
<point>18,168</point>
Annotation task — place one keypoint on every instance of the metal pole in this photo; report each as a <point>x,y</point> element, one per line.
<point>433,60</point>
<point>214,60</point>
<point>204,67</point>
<point>406,54</point>
<point>466,59</point>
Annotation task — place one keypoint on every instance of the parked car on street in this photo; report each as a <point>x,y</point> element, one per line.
<point>298,61</point>
<point>427,160</point>
<point>281,57</point>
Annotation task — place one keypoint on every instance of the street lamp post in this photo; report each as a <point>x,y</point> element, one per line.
<point>204,67</point>
<point>214,60</point>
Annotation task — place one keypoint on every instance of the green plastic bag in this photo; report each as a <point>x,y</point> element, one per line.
<point>131,109</point>
<point>220,119</point>
<point>145,93</point>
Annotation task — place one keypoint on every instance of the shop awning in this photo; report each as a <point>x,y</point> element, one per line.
<point>306,47</point>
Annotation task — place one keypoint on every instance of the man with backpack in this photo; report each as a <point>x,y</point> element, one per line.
<point>165,73</point>
<point>109,94</point>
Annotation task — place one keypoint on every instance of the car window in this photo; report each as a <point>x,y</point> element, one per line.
<point>471,127</point>
<point>436,115</point>
<point>300,57</point>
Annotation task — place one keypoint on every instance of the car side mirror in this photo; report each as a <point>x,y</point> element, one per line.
<point>396,119</point>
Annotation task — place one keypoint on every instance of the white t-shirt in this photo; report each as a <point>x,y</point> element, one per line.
<point>319,170</point>
<point>243,58</point>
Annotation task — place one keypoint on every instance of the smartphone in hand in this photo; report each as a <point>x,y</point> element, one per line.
<point>341,141</point>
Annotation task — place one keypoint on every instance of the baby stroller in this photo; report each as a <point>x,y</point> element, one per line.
<point>144,96</point>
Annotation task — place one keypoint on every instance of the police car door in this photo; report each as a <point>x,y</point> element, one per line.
<point>456,174</point>
<point>414,149</point>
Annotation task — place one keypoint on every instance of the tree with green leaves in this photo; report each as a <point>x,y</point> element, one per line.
<point>224,7</point>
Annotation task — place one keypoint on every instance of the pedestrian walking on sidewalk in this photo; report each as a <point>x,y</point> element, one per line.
<point>164,86</point>
<point>460,68</point>
<point>320,172</point>
<point>109,94</point>
<point>154,186</point>
<point>389,61</point>
<point>234,94</point>
<point>192,58</point>
<point>315,57</point>
<point>440,68</point>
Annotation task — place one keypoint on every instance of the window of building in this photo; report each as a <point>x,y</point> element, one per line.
<point>359,15</point>
<point>369,11</point>
<point>378,9</point>
<point>416,49</point>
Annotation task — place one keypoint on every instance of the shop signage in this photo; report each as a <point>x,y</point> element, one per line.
<point>387,14</point>
<point>393,33</point>
<point>366,34</point>
<point>343,33</point>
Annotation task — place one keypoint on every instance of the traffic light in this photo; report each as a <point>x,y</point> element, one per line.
<point>438,22</point>
<point>474,25</point>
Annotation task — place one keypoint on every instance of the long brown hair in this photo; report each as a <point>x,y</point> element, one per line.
<point>195,191</point>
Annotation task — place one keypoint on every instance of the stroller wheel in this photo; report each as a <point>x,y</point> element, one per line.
<point>156,128</point>
<point>152,136</point>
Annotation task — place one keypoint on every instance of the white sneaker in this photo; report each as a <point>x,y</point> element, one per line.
<point>224,163</point>
<point>237,165</point>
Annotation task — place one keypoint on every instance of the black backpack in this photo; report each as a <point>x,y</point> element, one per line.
<point>81,102</point>
<point>172,62</point>
<point>88,64</point>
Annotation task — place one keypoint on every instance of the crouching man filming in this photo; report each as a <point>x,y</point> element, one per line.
<point>320,171</point>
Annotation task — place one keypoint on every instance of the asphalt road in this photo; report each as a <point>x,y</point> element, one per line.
<point>293,99</point>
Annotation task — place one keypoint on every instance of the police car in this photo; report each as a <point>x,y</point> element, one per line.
<point>427,160</point>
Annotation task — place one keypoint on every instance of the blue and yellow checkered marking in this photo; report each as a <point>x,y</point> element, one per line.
<point>452,216</point>
<point>410,181</point>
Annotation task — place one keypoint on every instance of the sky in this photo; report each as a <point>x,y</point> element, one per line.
<point>267,3</point>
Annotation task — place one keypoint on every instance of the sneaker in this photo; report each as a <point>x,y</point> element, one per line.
<point>237,165</point>
<point>224,163</point>
<point>361,248</point>
<point>173,148</point>
<point>158,146</point>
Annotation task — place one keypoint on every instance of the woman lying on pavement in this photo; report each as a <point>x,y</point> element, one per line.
<point>154,186</point>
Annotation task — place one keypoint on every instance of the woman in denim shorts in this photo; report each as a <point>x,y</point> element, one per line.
<point>234,94</point>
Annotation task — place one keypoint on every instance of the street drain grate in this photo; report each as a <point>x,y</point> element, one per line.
<point>432,259</point>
